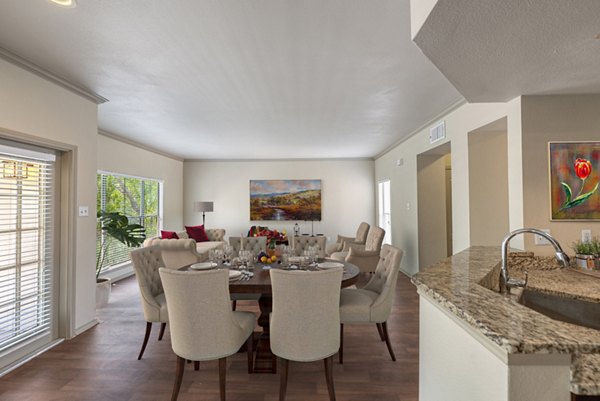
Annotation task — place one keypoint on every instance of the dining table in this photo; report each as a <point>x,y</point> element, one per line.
<point>260,283</point>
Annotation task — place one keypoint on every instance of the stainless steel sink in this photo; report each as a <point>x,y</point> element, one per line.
<point>576,311</point>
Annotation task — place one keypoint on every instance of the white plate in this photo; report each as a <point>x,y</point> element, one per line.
<point>329,265</point>
<point>234,274</point>
<point>203,266</point>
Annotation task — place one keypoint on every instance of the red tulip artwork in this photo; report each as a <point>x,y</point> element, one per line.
<point>574,180</point>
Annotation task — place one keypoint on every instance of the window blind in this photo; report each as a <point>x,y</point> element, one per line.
<point>26,249</point>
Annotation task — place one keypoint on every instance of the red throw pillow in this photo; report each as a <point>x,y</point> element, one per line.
<point>197,232</point>
<point>168,235</point>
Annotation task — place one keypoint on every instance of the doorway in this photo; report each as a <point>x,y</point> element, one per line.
<point>384,217</point>
<point>434,193</point>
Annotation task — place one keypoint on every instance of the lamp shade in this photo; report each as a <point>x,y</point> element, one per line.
<point>203,206</point>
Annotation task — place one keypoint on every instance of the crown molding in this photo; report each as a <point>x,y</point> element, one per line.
<point>429,122</point>
<point>138,145</point>
<point>324,159</point>
<point>49,76</point>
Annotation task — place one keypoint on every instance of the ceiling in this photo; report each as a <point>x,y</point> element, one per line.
<point>270,79</point>
<point>497,50</point>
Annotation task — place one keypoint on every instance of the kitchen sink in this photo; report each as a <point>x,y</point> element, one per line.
<point>576,311</point>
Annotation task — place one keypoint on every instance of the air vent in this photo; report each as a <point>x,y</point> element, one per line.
<point>437,132</point>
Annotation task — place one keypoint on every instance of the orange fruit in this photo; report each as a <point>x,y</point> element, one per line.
<point>263,259</point>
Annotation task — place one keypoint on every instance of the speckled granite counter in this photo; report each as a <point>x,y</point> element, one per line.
<point>459,285</point>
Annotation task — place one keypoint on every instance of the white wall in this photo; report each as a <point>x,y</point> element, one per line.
<point>348,193</point>
<point>118,157</point>
<point>45,112</point>
<point>403,179</point>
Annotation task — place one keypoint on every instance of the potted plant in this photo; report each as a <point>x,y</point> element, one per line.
<point>116,227</point>
<point>586,253</point>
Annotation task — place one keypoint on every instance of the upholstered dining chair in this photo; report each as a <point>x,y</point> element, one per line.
<point>203,327</point>
<point>365,256</point>
<point>236,243</point>
<point>146,262</point>
<point>360,238</point>
<point>254,244</point>
<point>177,253</point>
<point>301,243</point>
<point>373,302</point>
<point>305,320</point>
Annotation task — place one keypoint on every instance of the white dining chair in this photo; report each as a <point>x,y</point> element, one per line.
<point>359,238</point>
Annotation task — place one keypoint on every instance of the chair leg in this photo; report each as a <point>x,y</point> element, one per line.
<point>387,340</point>
<point>146,336</point>
<point>329,377</point>
<point>283,378</point>
<point>341,351</point>
<point>178,377</point>
<point>162,331</point>
<point>233,305</point>
<point>196,365</point>
<point>222,377</point>
<point>250,352</point>
<point>380,331</point>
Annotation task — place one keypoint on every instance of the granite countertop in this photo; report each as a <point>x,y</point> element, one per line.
<point>464,284</point>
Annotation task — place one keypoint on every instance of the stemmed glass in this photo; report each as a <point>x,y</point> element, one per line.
<point>245,258</point>
<point>218,256</point>
<point>228,253</point>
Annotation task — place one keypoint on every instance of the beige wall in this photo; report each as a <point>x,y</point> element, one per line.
<point>45,112</point>
<point>118,157</point>
<point>553,118</point>
<point>348,193</point>
<point>403,179</point>
<point>488,187</point>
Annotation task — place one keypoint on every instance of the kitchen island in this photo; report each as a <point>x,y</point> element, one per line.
<point>478,344</point>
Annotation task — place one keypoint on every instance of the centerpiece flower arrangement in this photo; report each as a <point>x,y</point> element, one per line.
<point>273,237</point>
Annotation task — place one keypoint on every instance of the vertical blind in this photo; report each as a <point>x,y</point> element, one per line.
<point>26,188</point>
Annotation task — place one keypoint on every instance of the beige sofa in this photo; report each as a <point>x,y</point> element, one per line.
<point>216,240</point>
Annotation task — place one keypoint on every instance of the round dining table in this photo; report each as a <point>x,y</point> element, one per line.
<point>260,283</point>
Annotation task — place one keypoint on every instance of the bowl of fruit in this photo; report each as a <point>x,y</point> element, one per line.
<point>266,259</point>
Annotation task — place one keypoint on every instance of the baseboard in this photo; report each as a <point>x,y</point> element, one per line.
<point>86,327</point>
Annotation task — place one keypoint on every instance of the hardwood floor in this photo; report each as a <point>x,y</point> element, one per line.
<point>101,363</point>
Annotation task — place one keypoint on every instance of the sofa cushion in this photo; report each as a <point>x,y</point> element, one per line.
<point>168,234</point>
<point>197,232</point>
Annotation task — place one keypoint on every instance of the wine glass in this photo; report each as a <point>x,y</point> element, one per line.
<point>227,252</point>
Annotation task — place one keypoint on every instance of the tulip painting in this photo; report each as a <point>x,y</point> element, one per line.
<point>574,180</point>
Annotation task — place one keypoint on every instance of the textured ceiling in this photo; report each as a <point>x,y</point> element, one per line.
<point>497,50</point>
<point>239,79</point>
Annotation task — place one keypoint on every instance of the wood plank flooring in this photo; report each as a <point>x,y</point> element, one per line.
<point>101,365</point>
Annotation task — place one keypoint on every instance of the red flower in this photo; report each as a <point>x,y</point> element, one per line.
<point>583,168</point>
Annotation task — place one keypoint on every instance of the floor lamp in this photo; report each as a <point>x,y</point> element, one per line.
<point>203,207</point>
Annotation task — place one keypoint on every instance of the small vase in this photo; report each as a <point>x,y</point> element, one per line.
<point>587,262</point>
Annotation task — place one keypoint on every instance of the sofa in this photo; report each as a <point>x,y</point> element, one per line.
<point>216,240</point>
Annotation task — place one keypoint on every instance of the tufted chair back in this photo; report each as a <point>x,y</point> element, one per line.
<point>361,232</point>
<point>254,244</point>
<point>374,239</point>
<point>299,244</point>
<point>146,262</point>
<point>177,253</point>
<point>383,282</point>
<point>236,243</point>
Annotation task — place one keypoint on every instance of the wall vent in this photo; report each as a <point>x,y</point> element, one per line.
<point>437,132</point>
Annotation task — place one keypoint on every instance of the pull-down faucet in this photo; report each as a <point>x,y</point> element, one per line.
<point>506,283</point>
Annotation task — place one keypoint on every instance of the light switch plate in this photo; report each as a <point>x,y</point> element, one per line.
<point>586,235</point>
<point>84,211</point>
<point>539,240</point>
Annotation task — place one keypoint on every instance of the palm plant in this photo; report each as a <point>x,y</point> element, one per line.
<point>117,227</point>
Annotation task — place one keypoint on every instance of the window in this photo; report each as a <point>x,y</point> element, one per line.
<point>136,198</point>
<point>385,210</point>
<point>26,245</point>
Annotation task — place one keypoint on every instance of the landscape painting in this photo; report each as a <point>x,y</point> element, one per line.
<point>285,200</point>
<point>574,179</point>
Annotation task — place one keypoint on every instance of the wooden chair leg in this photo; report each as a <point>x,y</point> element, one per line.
<point>283,378</point>
<point>250,352</point>
<point>387,340</point>
<point>146,336</point>
<point>233,305</point>
<point>341,351</point>
<point>222,377</point>
<point>329,377</point>
<point>178,377</point>
<point>162,331</point>
<point>196,365</point>
<point>380,331</point>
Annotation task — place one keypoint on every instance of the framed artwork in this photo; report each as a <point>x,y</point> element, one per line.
<point>574,177</point>
<point>285,200</point>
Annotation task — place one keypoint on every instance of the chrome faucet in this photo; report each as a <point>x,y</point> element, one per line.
<point>506,283</point>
